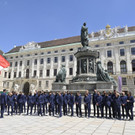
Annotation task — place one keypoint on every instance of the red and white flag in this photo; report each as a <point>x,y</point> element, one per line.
<point>3,63</point>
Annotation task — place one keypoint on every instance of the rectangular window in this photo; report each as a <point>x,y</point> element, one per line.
<point>16,56</point>
<point>16,64</point>
<point>14,74</point>
<point>56,51</point>
<point>122,52</point>
<point>55,59</point>
<point>47,72</point>
<point>9,75</point>
<point>7,84</point>
<point>98,54</point>
<point>47,84</point>
<point>132,41</point>
<point>70,71</point>
<point>40,83</point>
<point>49,52</point>
<point>20,63</point>
<point>41,73</point>
<point>5,75</point>
<point>70,57</point>
<point>35,73</point>
<point>124,81</point>
<point>108,44</point>
<point>48,60</point>
<point>28,55</point>
<point>55,72</point>
<point>42,61</point>
<point>133,51</point>
<point>63,51</point>
<point>20,74</point>
<point>10,64</point>
<point>35,62</point>
<point>28,62</point>
<point>121,42</point>
<point>63,58</point>
<point>42,53</point>
<point>36,54</point>
<point>109,53</point>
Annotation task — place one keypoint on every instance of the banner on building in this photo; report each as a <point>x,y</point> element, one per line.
<point>120,84</point>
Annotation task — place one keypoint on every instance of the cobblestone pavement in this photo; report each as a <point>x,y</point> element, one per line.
<point>49,125</point>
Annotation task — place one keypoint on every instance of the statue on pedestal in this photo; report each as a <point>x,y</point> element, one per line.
<point>84,35</point>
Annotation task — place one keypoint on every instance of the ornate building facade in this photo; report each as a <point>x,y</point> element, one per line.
<point>34,66</point>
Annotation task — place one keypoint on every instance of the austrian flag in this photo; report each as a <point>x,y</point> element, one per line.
<point>3,63</point>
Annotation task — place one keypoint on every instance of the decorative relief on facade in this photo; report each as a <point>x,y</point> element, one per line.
<point>29,46</point>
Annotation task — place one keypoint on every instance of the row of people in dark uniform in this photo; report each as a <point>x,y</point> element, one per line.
<point>109,105</point>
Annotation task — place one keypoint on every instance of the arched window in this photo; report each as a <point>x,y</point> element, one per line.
<point>133,65</point>
<point>123,66</point>
<point>110,67</point>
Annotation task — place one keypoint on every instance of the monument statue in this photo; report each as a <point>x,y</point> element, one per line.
<point>61,76</point>
<point>84,35</point>
<point>102,75</point>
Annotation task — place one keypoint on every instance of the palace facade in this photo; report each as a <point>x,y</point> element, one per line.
<point>34,66</point>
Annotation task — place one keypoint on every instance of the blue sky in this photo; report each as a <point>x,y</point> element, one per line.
<point>22,21</point>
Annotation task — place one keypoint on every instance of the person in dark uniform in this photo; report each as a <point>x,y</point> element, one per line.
<point>51,104</point>
<point>68,95</point>
<point>103,104</point>
<point>76,100</point>
<point>123,104</point>
<point>40,102</point>
<point>10,102</point>
<point>65,102</point>
<point>30,103</point>
<point>130,105</point>
<point>79,103</point>
<point>24,102</point>
<point>34,98</point>
<point>3,102</point>
<point>20,102</point>
<point>112,104</point>
<point>15,102</point>
<point>117,107</point>
<point>94,101</point>
<point>56,102</point>
<point>99,103</point>
<point>108,101</point>
<point>60,103</point>
<point>71,103</point>
<point>45,103</point>
<point>87,104</point>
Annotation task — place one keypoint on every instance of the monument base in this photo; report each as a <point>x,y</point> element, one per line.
<point>83,86</point>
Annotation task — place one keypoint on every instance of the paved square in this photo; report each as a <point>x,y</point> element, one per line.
<point>49,125</point>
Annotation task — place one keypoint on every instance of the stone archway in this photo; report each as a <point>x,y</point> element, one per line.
<point>26,88</point>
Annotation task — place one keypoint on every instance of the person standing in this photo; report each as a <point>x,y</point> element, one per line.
<point>99,103</point>
<point>79,103</point>
<point>108,101</point>
<point>60,103</point>
<point>124,104</point>
<point>94,101</point>
<point>20,102</point>
<point>30,103</point>
<point>71,103</point>
<point>3,102</point>
<point>130,105</point>
<point>87,104</point>
<point>65,102</point>
<point>10,102</point>
<point>24,102</point>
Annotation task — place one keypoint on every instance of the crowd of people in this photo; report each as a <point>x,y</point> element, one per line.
<point>112,105</point>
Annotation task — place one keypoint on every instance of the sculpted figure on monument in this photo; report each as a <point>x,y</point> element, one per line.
<point>84,35</point>
<point>102,75</point>
<point>84,65</point>
<point>61,76</point>
<point>91,65</point>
